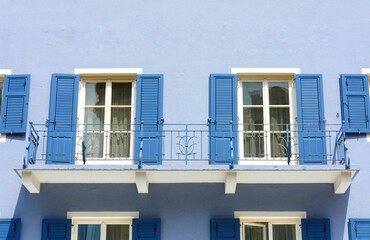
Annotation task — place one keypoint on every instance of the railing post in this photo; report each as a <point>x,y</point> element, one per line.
<point>231,146</point>
<point>288,152</point>
<point>186,144</point>
<point>347,160</point>
<point>84,145</point>
<point>141,144</point>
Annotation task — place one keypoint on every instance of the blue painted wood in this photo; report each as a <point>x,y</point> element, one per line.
<point>10,229</point>
<point>359,228</point>
<point>146,229</point>
<point>15,104</point>
<point>310,114</point>
<point>149,119</point>
<point>355,102</point>
<point>56,229</point>
<point>223,111</point>
<point>225,229</point>
<point>315,229</point>
<point>61,142</point>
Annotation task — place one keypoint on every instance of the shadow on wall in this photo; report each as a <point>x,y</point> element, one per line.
<point>181,206</point>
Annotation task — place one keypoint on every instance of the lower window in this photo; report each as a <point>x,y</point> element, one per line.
<point>272,230</point>
<point>102,230</point>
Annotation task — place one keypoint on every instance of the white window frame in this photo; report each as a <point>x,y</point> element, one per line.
<point>102,218</point>
<point>271,218</point>
<point>108,76</point>
<point>3,72</point>
<point>367,71</point>
<point>266,75</point>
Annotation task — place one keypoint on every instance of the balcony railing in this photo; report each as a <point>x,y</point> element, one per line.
<point>187,144</point>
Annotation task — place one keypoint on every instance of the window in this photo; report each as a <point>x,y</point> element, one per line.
<point>1,92</point>
<point>276,230</point>
<point>101,229</point>
<point>266,115</point>
<point>107,116</point>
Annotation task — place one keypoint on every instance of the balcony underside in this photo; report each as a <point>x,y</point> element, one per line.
<point>339,176</point>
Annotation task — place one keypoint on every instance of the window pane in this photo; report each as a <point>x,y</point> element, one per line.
<point>121,118</point>
<point>254,145</point>
<point>94,117</point>
<point>119,145</point>
<point>1,94</point>
<point>88,232</point>
<point>94,143</point>
<point>284,232</point>
<point>254,232</point>
<point>279,117</point>
<point>121,93</point>
<point>117,232</point>
<point>279,93</point>
<point>253,119</point>
<point>279,144</point>
<point>252,93</point>
<point>95,94</point>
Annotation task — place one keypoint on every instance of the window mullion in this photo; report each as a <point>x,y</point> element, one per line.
<point>103,232</point>
<point>107,117</point>
<point>270,232</point>
<point>266,120</point>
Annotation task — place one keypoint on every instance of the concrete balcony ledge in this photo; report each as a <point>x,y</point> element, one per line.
<point>338,175</point>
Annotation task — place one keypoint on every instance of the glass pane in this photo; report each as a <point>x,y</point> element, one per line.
<point>253,119</point>
<point>121,118</point>
<point>119,145</point>
<point>279,144</point>
<point>254,232</point>
<point>94,144</point>
<point>284,232</point>
<point>118,232</point>
<point>254,145</point>
<point>1,94</point>
<point>121,93</point>
<point>279,117</point>
<point>88,232</point>
<point>94,118</point>
<point>95,94</point>
<point>279,93</point>
<point>252,93</point>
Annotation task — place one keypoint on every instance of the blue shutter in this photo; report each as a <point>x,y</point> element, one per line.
<point>14,107</point>
<point>223,118</point>
<point>149,119</point>
<point>56,229</point>
<point>62,119</point>
<point>359,229</point>
<point>355,103</point>
<point>10,229</point>
<point>315,229</point>
<point>225,229</point>
<point>146,229</point>
<point>310,114</point>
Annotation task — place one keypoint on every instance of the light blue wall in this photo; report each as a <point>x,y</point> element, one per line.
<point>185,41</point>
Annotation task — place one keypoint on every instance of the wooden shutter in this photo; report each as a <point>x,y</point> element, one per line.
<point>223,118</point>
<point>359,229</point>
<point>56,229</point>
<point>355,102</point>
<point>315,229</point>
<point>10,229</point>
<point>310,114</point>
<point>14,107</point>
<point>146,229</point>
<point>149,119</point>
<point>225,229</point>
<point>62,119</point>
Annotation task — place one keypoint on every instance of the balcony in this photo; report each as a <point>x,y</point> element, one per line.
<point>187,153</point>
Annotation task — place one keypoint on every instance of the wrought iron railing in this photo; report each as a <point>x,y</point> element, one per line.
<point>188,144</point>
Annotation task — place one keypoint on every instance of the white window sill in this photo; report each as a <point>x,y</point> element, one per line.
<point>2,137</point>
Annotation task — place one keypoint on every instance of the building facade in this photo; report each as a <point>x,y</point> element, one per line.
<point>137,120</point>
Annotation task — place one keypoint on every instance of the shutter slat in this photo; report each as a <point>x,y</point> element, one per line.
<point>56,229</point>
<point>15,104</point>
<point>355,102</point>
<point>222,111</point>
<point>359,228</point>
<point>63,119</point>
<point>149,110</point>
<point>315,229</point>
<point>146,229</point>
<point>225,229</point>
<point>310,114</point>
